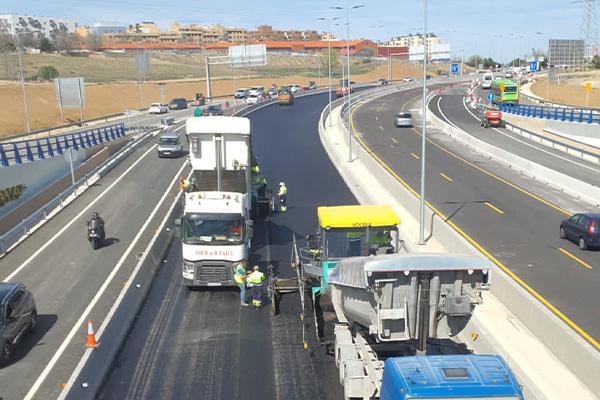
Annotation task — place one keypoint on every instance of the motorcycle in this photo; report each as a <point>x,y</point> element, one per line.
<point>95,234</point>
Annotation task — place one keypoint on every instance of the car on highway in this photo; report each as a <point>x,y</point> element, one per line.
<point>241,93</point>
<point>295,89</point>
<point>157,108</point>
<point>508,75</point>
<point>583,228</point>
<point>18,315</point>
<point>272,93</point>
<point>486,82</point>
<point>169,145</point>
<point>214,109</point>
<point>382,82</point>
<point>403,119</point>
<point>178,104</point>
<point>253,98</point>
<point>408,79</point>
<point>258,91</point>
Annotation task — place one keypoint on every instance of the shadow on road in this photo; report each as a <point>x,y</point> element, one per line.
<point>45,322</point>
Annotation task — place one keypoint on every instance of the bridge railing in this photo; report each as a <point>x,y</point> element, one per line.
<point>19,152</point>
<point>564,114</point>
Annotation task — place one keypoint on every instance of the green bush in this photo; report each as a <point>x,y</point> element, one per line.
<point>47,72</point>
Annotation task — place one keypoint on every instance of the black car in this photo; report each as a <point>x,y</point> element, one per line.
<point>18,315</point>
<point>214,109</point>
<point>583,229</point>
<point>382,82</point>
<point>178,104</point>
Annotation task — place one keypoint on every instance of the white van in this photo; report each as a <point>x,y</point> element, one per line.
<point>486,83</point>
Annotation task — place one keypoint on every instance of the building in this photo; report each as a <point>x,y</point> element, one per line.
<point>358,47</point>
<point>398,52</point>
<point>267,33</point>
<point>415,40</point>
<point>100,28</point>
<point>566,53</point>
<point>48,26</point>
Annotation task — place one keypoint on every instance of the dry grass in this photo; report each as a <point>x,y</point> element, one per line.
<point>571,93</point>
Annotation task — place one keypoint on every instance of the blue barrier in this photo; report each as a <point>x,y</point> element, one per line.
<point>580,115</point>
<point>39,149</point>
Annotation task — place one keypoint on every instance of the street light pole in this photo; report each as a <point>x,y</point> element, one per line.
<point>329,60</point>
<point>25,107</point>
<point>424,129</point>
<point>377,52</point>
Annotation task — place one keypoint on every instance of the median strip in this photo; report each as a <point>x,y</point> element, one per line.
<point>493,207</point>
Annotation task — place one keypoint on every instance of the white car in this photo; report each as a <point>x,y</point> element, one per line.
<point>408,79</point>
<point>253,98</point>
<point>257,90</point>
<point>295,89</point>
<point>157,108</point>
<point>403,119</point>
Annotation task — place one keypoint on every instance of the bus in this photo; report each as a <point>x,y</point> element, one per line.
<point>505,91</point>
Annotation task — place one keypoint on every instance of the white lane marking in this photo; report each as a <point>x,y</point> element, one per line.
<point>533,146</point>
<point>68,225</point>
<point>442,113</point>
<point>113,309</point>
<point>376,118</point>
<point>84,316</point>
<point>381,127</point>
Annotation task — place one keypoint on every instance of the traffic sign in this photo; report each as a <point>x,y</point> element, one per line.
<point>490,96</point>
<point>533,66</point>
<point>454,69</point>
<point>588,86</point>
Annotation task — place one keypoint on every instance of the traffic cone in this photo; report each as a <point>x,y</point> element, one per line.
<point>91,336</point>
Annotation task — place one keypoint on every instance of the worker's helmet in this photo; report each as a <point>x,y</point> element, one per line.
<point>256,268</point>
<point>95,215</point>
<point>281,184</point>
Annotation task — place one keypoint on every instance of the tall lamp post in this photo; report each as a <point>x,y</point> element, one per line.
<point>348,90</point>
<point>377,52</point>
<point>424,129</point>
<point>25,107</point>
<point>329,58</point>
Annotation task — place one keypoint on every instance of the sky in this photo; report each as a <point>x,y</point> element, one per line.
<point>500,29</point>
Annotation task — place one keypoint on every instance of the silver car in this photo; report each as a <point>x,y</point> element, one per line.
<point>403,119</point>
<point>169,145</point>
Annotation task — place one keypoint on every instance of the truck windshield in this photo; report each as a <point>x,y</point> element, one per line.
<point>205,229</point>
<point>341,243</point>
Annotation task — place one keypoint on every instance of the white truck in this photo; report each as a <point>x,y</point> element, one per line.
<point>216,225</point>
<point>486,82</point>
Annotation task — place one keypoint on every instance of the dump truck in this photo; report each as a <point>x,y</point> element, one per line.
<point>343,88</point>
<point>216,226</point>
<point>389,306</point>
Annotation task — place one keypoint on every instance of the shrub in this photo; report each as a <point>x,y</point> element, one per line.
<point>47,72</point>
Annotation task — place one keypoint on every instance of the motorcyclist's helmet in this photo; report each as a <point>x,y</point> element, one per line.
<point>95,215</point>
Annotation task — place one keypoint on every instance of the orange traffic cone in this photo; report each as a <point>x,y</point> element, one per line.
<point>91,336</point>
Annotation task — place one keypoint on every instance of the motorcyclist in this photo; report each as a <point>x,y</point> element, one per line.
<point>98,222</point>
<point>282,194</point>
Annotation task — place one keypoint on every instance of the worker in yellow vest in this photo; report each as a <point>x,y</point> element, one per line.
<point>282,194</point>
<point>239,275</point>
<point>255,283</point>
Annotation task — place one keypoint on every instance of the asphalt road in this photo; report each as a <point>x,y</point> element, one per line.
<point>200,344</point>
<point>451,108</point>
<point>59,266</point>
<point>518,229</point>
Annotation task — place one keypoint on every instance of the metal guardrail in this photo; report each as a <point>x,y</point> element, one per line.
<point>13,153</point>
<point>13,236</point>
<point>552,104</point>
<point>580,115</point>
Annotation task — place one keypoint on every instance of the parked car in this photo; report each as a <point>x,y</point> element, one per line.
<point>444,75</point>
<point>273,92</point>
<point>169,145</point>
<point>382,82</point>
<point>18,315</point>
<point>178,104</point>
<point>157,108</point>
<point>295,89</point>
<point>584,229</point>
<point>403,119</point>
<point>214,109</point>
<point>241,93</point>
<point>253,98</point>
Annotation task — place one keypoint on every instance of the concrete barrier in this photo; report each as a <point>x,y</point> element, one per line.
<point>541,338</point>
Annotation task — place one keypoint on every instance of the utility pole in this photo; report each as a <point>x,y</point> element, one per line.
<point>329,59</point>
<point>377,52</point>
<point>25,107</point>
<point>424,129</point>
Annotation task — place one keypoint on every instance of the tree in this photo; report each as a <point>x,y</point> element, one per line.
<point>46,46</point>
<point>335,60</point>
<point>7,43</point>
<point>47,72</point>
<point>474,60</point>
<point>596,62</point>
<point>93,41</point>
<point>64,41</point>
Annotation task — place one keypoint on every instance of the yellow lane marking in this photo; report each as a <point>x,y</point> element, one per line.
<point>446,177</point>
<point>394,140</point>
<point>469,239</point>
<point>496,177</point>
<point>415,156</point>
<point>571,256</point>
<point>493,207</point>
<point>409,101</point>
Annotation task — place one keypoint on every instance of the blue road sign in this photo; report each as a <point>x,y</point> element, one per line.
<point>533,65</point>
<point>454,69</point>
<point>490,96</point>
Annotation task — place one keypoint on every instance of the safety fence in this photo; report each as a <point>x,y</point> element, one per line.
<point>580,115</point>
<point>12,153</point>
